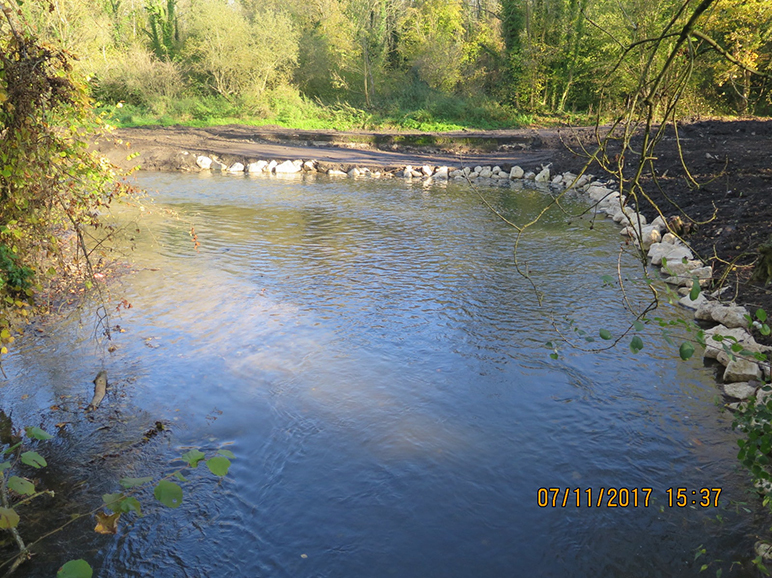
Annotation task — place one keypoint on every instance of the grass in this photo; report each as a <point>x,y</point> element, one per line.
<point>425,111</point>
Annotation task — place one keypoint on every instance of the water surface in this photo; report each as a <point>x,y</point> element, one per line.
<point>371,356</point>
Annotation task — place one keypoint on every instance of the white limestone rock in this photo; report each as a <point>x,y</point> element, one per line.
<point>669,238</point>
<point>427,170</point>
<point>355,172</point>
<point>660,223</point>
<point>687,301</point>
<point>596,193</point>
<point>218,166</point>
<point>257,167</point>
<point>703,274</point>
<point>727,315</point>
<point>543,176</point>
<point>336,173</point>
<point>408,172</point>
<point>287,168</point>
<point>738,335</point>
<point>516,173</point>
<point>309,166</point>
<point>204,163</point>
<point>740,389</point>
<point>672,252</point>
<point>680,268</point>
<point>529,176</point>
<point>742,370</point>
<point>441,173</point>
<point>236,168</point>
<point>271,166</point>
<point>485,172</point>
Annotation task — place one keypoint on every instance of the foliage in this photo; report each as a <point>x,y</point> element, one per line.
<point>16,491</point>
<point>51,186</point>
<point>234,56</point>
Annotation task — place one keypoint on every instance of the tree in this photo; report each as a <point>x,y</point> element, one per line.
<point>236,56</point>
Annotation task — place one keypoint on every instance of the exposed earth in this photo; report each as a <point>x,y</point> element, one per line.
<point>730,211</point>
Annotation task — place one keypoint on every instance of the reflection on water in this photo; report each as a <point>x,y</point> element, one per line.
<point>372,358</point>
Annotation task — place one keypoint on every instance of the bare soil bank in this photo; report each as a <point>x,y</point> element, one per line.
<point>732,161</point>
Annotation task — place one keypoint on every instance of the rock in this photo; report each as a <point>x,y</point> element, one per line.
<point>496,170</point>
<point>543,176</point>
<point>669,238</point>
<point>529,176</point>
<point>336,173</point>
<point>257,167</point>
<point>485,172</point>
<point>702,274</point>
<point>649,236</point>
<point>681,268</point>
<point>271,166</point>
<point>558,180</point>
<point>583,180</point>
<point>739,335</point>
<point>658,251</point>
<point>309,166</point>
<point>467,171</point>
<point>731,316</point>
<point>727,315</point>
<point>763,549</point>
<point>287,168</point>
<point>441,173</point>
<point>516,173</point>
<point>217,165</point>
<point>236,168</point>
<point>456,174</point>
<point>355,172</point>
<point>742,370</point>
<point>203,162</point>
<point>740,389</point>
<point>596,193</point>
<point>408,172</point>
<point>660,223</point>
<point>427,170</point>
<point>624,215</point>
<point>689,304</point>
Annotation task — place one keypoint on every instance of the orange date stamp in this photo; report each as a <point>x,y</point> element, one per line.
<point>611,497</point>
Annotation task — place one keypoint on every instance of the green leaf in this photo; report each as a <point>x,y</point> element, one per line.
<point>553,355</point>
<point>33,459</point>
<point>121,503</point>
<point>638,325</point>
<point>4,466</point>
<point>695,292</point>
<point>193,457</point>
<point>218,465</point>
<point>21,486</point>
<point>130,483</point>
<point>75,569</point>
<point>605,334</point>
<point>636,344</point>
<point>686,350</point>
<point>761,315</point>
<point>38,434</point>
<point>8,518</point>
<point>180,477</point>
<point>227,454</point>
<point>168,493</point>
<point>608,280</point>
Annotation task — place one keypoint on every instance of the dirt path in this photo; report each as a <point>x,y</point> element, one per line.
<point>162,148</point>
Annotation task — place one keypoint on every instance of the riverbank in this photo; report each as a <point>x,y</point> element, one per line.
<point>730,212</point>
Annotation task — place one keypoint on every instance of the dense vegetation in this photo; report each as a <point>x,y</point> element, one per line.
<point>407,63</point>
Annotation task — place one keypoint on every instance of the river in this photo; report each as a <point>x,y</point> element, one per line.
<point>368,352</point>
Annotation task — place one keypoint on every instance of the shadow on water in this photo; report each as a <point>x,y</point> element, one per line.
<point>368,352</point>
